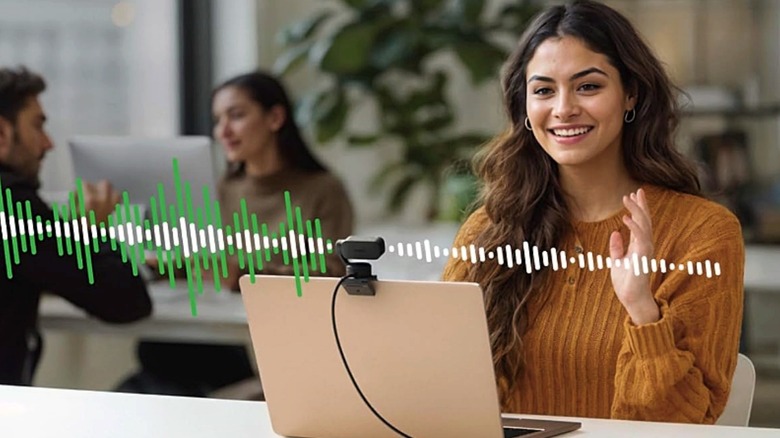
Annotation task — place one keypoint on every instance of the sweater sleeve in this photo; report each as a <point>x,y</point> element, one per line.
<point>679,369</point>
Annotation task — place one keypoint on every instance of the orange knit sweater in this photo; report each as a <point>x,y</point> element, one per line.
<point>585,358</point>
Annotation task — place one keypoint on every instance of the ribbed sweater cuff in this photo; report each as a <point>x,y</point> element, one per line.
<point>654,339</point>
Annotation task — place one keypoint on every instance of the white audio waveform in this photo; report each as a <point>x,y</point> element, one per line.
<point>530,257</point>
<point>192,240</point>
<point>186,236</point>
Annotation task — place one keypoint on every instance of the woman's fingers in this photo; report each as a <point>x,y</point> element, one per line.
<point>638,214</point>
<point>642,201</point>
<point>616,247</point>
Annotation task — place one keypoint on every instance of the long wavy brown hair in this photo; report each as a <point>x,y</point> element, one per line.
<point>521,191</point>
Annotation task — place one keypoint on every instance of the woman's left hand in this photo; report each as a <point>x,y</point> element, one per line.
<point>633,290</point>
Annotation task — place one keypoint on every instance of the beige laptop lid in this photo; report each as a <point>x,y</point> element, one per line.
<point>417,357</point>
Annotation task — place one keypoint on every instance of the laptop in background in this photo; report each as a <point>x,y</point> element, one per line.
<point>137,165</point>
<point>419,352</point>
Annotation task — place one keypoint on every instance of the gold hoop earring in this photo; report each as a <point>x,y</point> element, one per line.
<point>528,124</point>
<point>630,115</point>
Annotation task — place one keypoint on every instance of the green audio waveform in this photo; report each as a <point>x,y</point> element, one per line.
<point>77,233</point>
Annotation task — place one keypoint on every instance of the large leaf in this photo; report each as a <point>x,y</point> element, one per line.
<point>363,81</point>
<point>436,120</point>
<point>348,51</point>
<point>356,4</point>
<point>306,105</point>
<point>396,47</point>
<point>439,81</point>
<point>330,114</point>
<point>469,11</point>
<point>376,9</point>
<point>460,190</point>
<point>482,59</point>
<point>425,6</point>
<point>362,139</point>
<point>385,97</point>
<point>303,29</point>
<point>421,99</point>
<point>431,94</point>
<point>423,155</point>
<point>436,37</point>
<point>291,59</point>
<point>389,108</point>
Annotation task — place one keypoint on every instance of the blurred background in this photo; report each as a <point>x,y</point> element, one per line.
<point>395,97</point>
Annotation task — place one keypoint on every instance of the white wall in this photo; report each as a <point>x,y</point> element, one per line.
<point>235,30</point>
<point>152,53</point>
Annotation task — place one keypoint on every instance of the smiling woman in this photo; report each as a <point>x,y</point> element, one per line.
<point>589,165</point>
<point>578,113</point>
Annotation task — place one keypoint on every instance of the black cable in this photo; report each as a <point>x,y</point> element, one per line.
<point>346,365</point>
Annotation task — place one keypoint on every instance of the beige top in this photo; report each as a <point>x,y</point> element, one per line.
<point>319,195</point>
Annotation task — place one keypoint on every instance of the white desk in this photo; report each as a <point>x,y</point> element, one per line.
<point>43,412</point>
<point>220,317</point>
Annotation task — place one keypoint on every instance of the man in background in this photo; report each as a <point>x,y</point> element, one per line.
<point>116,296</point>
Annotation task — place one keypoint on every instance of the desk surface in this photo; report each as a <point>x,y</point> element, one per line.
<point>44,412</point>
<point>220,317</point>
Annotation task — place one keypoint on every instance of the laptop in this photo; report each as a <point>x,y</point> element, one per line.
<point>137,165</point>
<point>418,352</point>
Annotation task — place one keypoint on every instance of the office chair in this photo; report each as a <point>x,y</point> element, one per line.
<point>740,402</point>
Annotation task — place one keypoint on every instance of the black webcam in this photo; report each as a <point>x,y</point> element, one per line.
<point>363,248</point>
<point>359,273</point>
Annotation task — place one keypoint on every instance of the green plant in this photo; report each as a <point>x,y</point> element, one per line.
<point>381,50</point>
